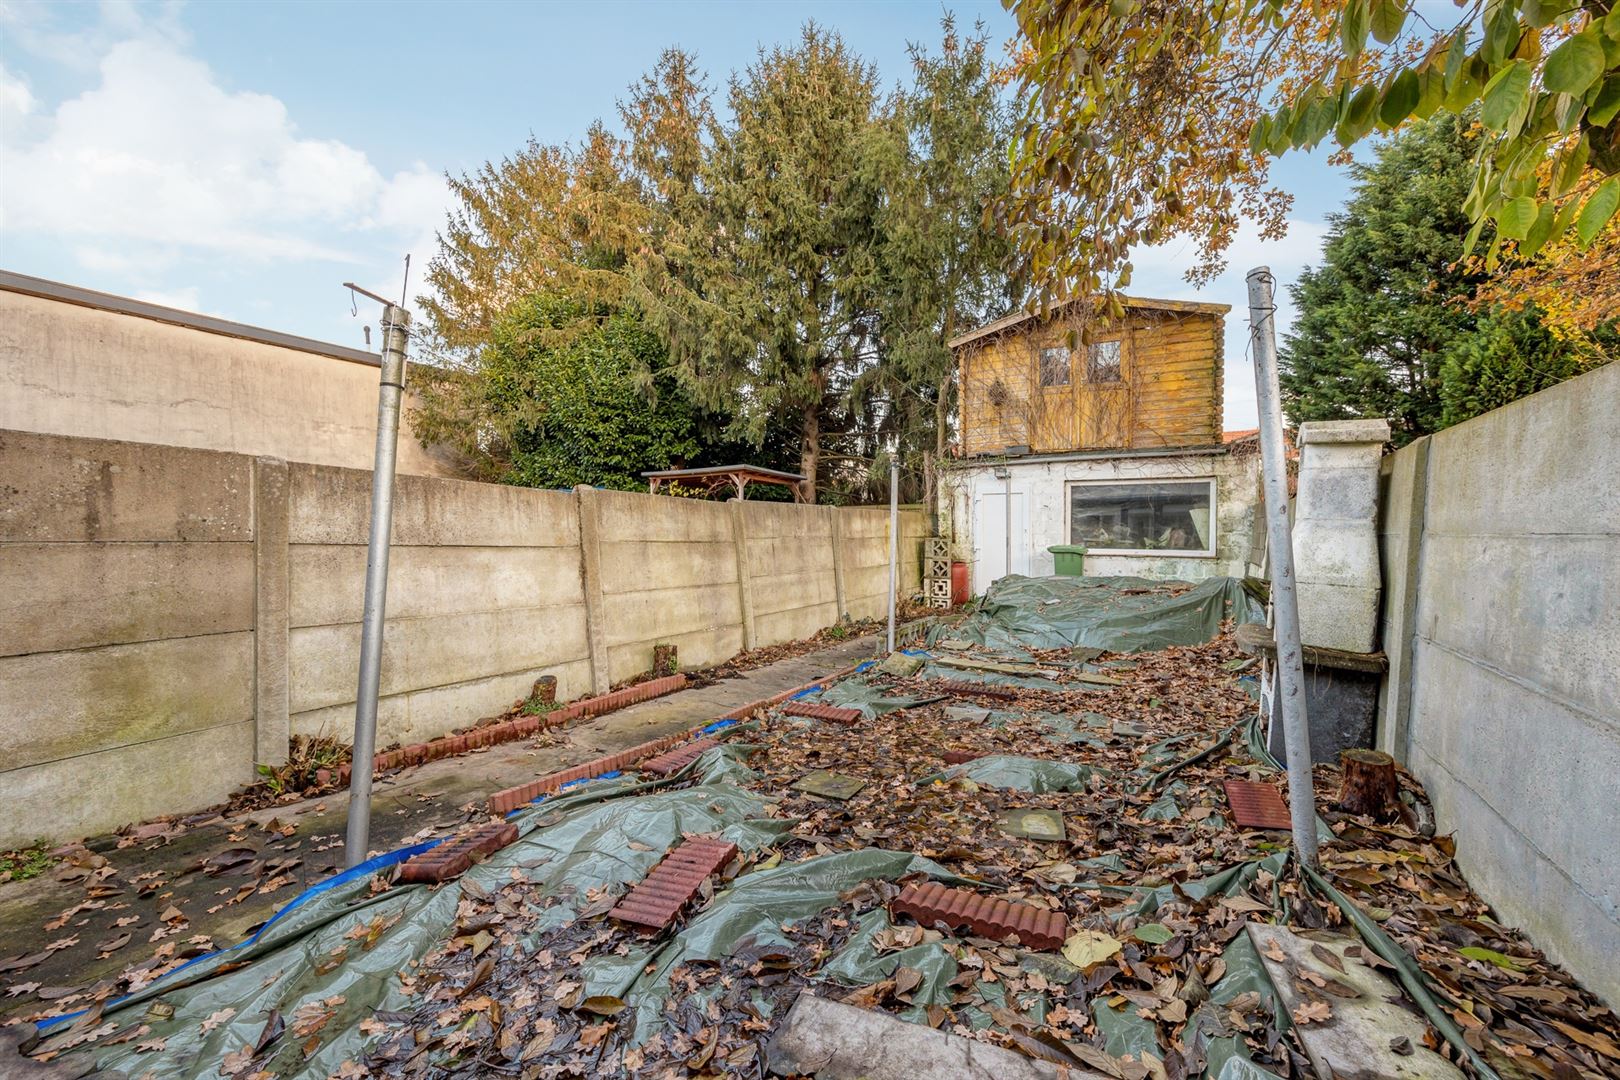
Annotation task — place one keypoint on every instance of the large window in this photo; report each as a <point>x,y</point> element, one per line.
<point>1149,517</point>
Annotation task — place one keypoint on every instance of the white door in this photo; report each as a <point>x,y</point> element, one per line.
<point>990,537</point>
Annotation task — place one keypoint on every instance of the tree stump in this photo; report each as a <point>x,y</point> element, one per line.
<point>1369,787</point>
<point>664,661</point>
<point>544,690</point>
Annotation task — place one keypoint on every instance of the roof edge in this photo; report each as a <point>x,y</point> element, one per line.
<point>45,289</point>
<point>1018,318</point>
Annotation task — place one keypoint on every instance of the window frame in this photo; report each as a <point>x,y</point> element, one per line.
<point>1119,362</point>
<point>1068,367</point>
<point>1209,552</point>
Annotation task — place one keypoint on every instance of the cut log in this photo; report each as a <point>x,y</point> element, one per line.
<point>1369,787</point>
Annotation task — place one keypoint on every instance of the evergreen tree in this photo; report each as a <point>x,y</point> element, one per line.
<point>1377,318</point>
<point>568,411</point>
<point>945,267</point>
<point>788,248</point>
<point>1509,355</point>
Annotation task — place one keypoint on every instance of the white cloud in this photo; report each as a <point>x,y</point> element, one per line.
<point>160,155</point>
<point>186,299</point>
<point>16,100</point>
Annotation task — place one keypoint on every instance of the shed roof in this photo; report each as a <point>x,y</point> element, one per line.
<point>1193,307</point>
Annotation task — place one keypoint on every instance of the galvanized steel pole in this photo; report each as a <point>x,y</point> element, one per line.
<point>1008,508</point>
<point>1290,698</point>
<point>894,541</point>
<point>395,330</point>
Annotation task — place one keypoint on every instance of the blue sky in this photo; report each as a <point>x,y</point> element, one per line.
<point>245,159</point>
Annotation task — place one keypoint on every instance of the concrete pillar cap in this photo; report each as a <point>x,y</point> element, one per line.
<point>1344,431</point>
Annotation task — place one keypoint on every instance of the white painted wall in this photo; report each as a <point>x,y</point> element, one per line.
<point>971,499</point>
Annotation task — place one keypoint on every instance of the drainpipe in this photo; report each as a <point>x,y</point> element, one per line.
<point>894,540</point>
<point>1284,598</point>
<point>396,323</point>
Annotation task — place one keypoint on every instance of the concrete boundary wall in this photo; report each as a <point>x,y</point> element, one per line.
<point>1500,544</point>
<point>171,616</point>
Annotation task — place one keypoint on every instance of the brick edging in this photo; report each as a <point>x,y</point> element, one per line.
<point>743,712</point>
<point>507,731</point>
<point>505,801</point>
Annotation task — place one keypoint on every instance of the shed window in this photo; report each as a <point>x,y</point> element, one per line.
<point>1102,362</point>
<point>1055,367</point>
<point>1144,518</point>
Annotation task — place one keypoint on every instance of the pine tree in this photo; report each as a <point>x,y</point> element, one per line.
<point>1510,355</point>
<point>945,266</point>
<point>1376,319</point>
<point>787,250</point>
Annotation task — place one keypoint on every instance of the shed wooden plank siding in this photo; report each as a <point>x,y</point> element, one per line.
<point>1168,395</point>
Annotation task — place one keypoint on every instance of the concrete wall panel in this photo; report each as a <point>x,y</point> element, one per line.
<point>333,506</point>
<point>70,703</point>
<point>433,651</point>
<point>418,715</point>
<point>636,565</point>
<point>629,515</point>
<point>1502,622</point>
<point>113,788</point>
<point>657,614</point>
<point>65,489</point>
<point>75,596</point>
<point>328,581</point>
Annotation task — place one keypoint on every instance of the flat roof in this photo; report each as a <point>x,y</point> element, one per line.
<point>1189,307</point>
<point>208,324</point>
<point>722,470</point>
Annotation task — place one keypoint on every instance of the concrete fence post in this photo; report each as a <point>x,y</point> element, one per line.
<point>272,730</point>
<point>590,570</point>
<point>840,592</point>
<point>1401,525</point>
<point>745,588</point>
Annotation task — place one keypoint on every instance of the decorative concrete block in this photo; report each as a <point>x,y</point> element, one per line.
<point>1335,533</point>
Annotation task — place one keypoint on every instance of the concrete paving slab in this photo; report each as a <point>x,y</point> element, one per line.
<point>834,1041</point>
<point>1368,1035</point>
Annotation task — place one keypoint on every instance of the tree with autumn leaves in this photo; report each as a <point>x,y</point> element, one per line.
<point>1150,119</point>
<point>800,265</point>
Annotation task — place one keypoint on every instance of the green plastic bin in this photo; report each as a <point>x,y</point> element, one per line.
<point>1070,559</point>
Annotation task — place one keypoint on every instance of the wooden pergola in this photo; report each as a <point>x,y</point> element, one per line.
<point>716,477</point>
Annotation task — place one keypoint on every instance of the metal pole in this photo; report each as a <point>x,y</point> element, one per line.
<point>395,329</point>
<point>894,540</point>
<point>1008,509</point>
<point>1290,697</point>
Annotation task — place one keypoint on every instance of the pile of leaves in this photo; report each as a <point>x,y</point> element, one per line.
<point>1129,752</point>
<point>489,1004</point>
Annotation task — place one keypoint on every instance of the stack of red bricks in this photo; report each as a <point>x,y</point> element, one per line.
<point>456,855</point>
<point>986,916</point>
<point>831,713</point>
<point>504,802</point>
<point>677,759</point>
<point>659,897</point>
<point>966,688</point>
<point>507,731</point>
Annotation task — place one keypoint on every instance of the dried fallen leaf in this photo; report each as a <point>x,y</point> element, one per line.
<point>1312,1012</point>
<point>217,1018</point>
<point>1086,948</point>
